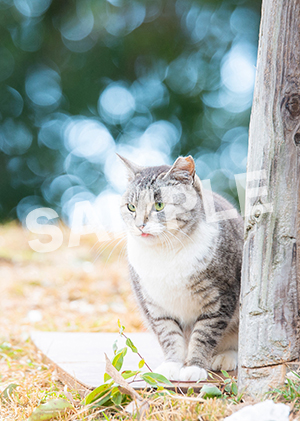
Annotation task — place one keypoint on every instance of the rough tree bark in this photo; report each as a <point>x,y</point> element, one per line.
<point>269,297</point>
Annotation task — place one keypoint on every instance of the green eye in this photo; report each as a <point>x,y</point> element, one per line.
<point>159,206</point>
<point>131,207</point>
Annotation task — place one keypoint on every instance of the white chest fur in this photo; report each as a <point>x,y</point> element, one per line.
<point>164,273</point>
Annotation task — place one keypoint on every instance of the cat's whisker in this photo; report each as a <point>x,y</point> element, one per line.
<point>168,242</point>
<point>122,239</point>
<point>184,233</point>
<point>112,238</point>
<point>92,248</point>
<point>183,246</point>
<point>121,253</point>
<point>161,239</point>
<point>165,240</point>
<point>103,248</point>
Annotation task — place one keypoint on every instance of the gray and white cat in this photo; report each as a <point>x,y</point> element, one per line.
<point>185,271</point>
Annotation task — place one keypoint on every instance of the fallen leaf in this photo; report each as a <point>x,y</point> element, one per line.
<point>139,405</point>
<point>8,391</point>
<point>210,391</point>
<point>117,377</point>
<point>47,411</point>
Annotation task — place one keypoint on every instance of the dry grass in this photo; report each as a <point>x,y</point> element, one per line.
<point>72,289</point>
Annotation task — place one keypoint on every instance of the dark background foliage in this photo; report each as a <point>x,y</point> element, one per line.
<point>150,79</point>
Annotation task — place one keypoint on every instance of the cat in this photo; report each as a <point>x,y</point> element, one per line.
<point>185,270</point>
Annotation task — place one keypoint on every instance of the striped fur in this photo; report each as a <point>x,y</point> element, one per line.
<point>186,273</point>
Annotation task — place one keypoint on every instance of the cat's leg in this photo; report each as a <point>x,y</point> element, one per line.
<point>226,360</point>
<point>205,336</point>
<point>225,355</point>
<point>169,369</point>
<point>171,338</point>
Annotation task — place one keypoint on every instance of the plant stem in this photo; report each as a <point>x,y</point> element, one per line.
<point>139,354</point>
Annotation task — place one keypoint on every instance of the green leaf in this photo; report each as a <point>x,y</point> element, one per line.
<point>117,362</point>
<point>141,363</point>
<point>190,391</point>
<point>97,393</point>
<point>159,378</point>
<point>122,328</point>
<point>8,391</point>
<point>210,375</point>
<point>115,346</point>
<point>234,388</point>
<point>227,388</point>
<point>104,400</point>
<point>117,398</point>
<point>163,392</point>
<point>210,391</point>
<point>107,397</point>
<point>154,379</point>
<point>106,377</point>
<point>225,374</point>
<point>295,374</point>
<point>148,379</point>
<point>49,410</point>
<point>128,373</point>
<point>131,346</point>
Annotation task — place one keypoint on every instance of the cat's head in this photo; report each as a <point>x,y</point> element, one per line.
<point>162,204</point>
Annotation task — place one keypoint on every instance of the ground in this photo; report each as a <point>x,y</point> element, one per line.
<point>82,288</point>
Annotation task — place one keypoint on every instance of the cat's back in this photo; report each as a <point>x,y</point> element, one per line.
<point>231,228</point>
<point>221,205</point>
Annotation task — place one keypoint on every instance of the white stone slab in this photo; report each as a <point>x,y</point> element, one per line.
<point>81,355</point>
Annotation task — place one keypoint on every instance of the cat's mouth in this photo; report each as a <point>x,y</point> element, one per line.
<point>144,234</point>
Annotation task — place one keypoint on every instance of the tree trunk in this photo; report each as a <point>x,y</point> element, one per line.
<point>269,297</point>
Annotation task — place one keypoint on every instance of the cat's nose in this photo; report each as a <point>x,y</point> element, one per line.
<point>141,226</point>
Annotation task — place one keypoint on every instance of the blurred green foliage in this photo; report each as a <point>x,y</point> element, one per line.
<point>111,70</point>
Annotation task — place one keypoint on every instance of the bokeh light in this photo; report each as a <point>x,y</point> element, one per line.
<point>32,8</point>
<point>149,80</point>
<point>88,138</point>
<point>116,104</point>
<point>15,137</point>
<point>43,86</point>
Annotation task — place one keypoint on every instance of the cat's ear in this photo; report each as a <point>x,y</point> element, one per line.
<point>183,170</point>
<point>132,169</point>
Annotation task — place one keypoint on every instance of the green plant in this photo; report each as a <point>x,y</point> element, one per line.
<point>290,392</point>
<point>231,389</point>
<point>227,388</point>
<point>115,391</point>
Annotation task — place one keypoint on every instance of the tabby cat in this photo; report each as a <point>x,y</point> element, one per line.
<point>185,269</point>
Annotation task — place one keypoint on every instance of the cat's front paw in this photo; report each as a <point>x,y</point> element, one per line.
<point>192,373</point>
<point>169,369</point>
<point>227,361</point>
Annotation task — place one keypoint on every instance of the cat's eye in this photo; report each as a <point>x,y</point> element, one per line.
<point>159,206</point>
<point>131,207</point>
